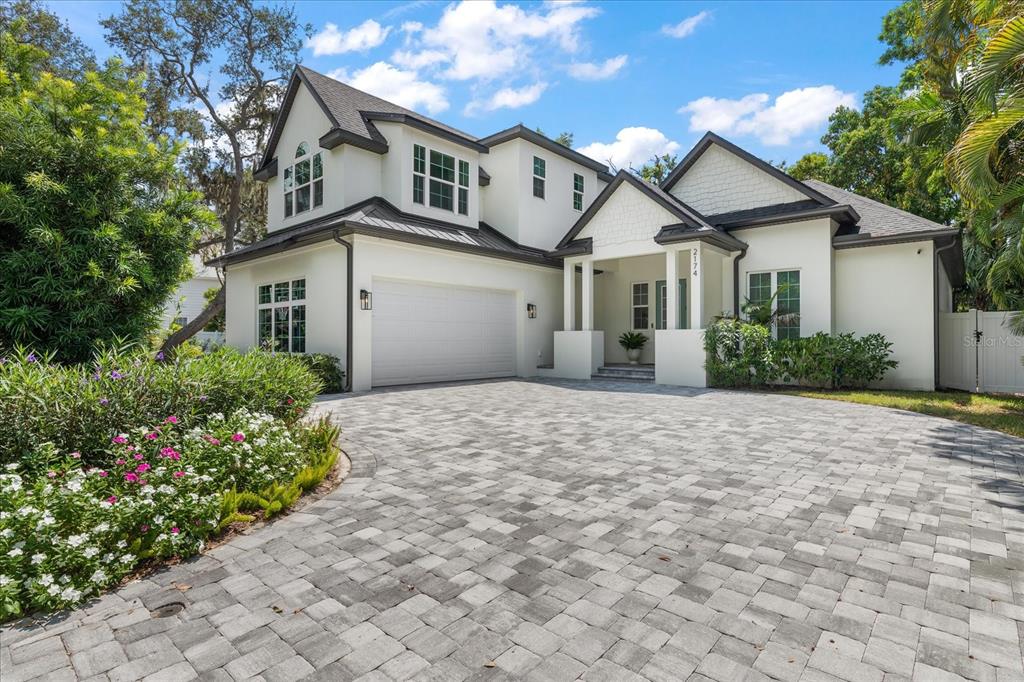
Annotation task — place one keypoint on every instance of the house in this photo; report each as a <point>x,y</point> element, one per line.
<point>417,252</point>
<point>189,299</point>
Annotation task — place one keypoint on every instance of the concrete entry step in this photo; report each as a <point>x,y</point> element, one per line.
<point>641,373</point>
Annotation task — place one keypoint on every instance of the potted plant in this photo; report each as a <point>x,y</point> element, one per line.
<point>633,342</point>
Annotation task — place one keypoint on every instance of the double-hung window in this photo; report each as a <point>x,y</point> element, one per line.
<point>303,182</point>
<point>463,187</point>
<point>577,192</point>
<point>281,316</point>
<point>419,170</point>
<point>640,306</point>
<point>761,287</point>
<point>540,172</point>
<point>442,180</point>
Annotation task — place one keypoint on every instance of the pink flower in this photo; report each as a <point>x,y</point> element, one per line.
<point>174,530</point>
<point>238,437</point>
<point>51,474</point>
<point>131,478</point>
<point>171,420</point>
<point>103,474</point>
<point>179,474</point>
<point>152,435</point>
<point>142,468</point>
<point>120,460</point>
<point>140,456</point>
<point>143,482</point>
<point>143,528</point>
<point>170,453</point>
<point>212,440</point>
<point>76,455</point>
<point>119,439</point>
<point>112,499</point>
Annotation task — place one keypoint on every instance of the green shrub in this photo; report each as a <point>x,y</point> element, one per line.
<point>327,368</point>
<point>835,361</point>
<point>738,353</point>
<point>82,407</point>
<point>743,354</point>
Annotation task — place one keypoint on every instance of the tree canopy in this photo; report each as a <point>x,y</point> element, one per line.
<point>96,224</point>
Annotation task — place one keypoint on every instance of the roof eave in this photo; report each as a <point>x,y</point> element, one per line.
<point>339,136</point>
<point>672,234</point>
<point>842,213</point>
<point>419,124</point>
<point>522,132</point>
<point>862,239</point>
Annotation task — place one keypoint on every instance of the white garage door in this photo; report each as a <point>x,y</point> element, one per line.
<point>427,332</point>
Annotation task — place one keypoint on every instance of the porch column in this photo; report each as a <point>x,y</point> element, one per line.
<point>569,295</point>
<point>696,290</point>
<point>672,290</point>
<point>588,295</point>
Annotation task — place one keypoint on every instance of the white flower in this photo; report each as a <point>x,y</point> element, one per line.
<point>70,594</point>
<point>46,579</point>
<point>38,558</point>
<point>74,485</point>
<point>127,559</point>
<point>90,552</point>
<point>76,540</point>
<point>6,533</point>
<point>4,580</point>
<point>15,552</point>
<point>103,527</point>
<point>98,577</point>
<point>53,590</point>
<point>12,466</point>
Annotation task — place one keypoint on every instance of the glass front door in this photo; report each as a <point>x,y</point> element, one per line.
<point>661,296</point>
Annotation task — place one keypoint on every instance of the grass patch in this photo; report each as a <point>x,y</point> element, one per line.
<point>998,412</point>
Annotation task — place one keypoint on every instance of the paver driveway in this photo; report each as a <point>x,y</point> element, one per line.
<point>558,530</point>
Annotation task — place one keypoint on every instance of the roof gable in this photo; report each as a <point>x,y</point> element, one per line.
<point>716,176</point>
<point>522,132</point>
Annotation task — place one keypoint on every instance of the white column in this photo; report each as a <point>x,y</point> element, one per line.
<point>672,292</point>
<point>569,295</point>
<point>696,290</point>
<point>588,295</point>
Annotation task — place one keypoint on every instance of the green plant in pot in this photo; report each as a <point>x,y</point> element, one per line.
<point>633,342</point>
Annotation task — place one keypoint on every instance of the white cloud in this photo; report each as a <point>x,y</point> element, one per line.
<point>418,60</point>
<point>508,98</point>
<point>791,114</point>
<point>482,40</point>
<point>686,26</point>
<point>633,146</point>
<point>588,71</point>
<point>396,85</point>
<point>331,40</point>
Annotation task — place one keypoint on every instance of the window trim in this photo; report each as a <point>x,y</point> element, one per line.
<point>314,182</point>
<point>459,186</point>
<point>773,288</point>
<point>542,178</point>
<point>633,306</point>
<point>289,305</point>
<point>578,193</point>
<point>420,175</point>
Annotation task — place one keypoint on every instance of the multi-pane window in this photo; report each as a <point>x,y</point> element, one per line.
<point>762,285</point>
<point>442,180</point>
<point>281,316</point>
<point>419,169</point>
<point>577,192</point>
<point>303,182</point>
<point>464,187</point>
<point>640,305</point>
<point>788,304</point>
<point>540,172</point>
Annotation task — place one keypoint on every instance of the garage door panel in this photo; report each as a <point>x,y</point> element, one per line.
<point>426,332</point>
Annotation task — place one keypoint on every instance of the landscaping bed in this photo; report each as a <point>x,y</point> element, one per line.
<point>134,459</point>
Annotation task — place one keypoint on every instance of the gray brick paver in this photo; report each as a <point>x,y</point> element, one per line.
<point>552,530</point>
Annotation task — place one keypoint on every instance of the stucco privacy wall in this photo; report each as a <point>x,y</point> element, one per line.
<point>720,182</point>
<point>323,267</point>
<point>626,224</point>
<point>805,246</point>
<point>888,289</point>
<point>542,286</point>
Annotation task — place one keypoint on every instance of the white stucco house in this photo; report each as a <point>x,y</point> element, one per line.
<point>189,299</point>
<point>418,253</point>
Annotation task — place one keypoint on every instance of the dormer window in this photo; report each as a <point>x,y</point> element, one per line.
<point>303,182</point>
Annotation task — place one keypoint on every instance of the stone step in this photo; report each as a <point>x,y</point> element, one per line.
<point>626,373</point>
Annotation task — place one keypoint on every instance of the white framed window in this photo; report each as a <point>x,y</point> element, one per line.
<point>577,192</point>
<point>303,182</point>
<point>760,288</point>
<point>640,305</point>
<point>419,172</point>
<point>540,174</point>
<point>442,181</point>
<point>281,316</point>
<point>463,187</point>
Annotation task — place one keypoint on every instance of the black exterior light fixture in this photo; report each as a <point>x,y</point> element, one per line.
<point>365,300</point>
<point>531,310</point>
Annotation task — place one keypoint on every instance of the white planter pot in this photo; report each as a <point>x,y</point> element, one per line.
<point>633,354</point>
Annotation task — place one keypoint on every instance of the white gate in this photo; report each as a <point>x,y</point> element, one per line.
<point>977,352</point>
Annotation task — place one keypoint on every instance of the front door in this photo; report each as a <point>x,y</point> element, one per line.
<point>661,297</point>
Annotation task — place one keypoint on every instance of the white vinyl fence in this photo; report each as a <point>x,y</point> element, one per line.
<point>977,352</point>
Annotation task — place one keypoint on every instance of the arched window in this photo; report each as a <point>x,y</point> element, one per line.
<point>303,182</point>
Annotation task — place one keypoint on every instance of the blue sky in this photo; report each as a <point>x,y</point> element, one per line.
<point>628,79</point>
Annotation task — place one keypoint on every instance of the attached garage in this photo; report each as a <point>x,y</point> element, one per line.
<point>429,332</point>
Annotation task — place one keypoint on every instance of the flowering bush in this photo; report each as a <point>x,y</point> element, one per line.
<point>81,407</point>
<point>69,529</point>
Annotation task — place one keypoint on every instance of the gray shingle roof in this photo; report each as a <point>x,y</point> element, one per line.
<point>347,105</point>
<point>379,218</point>
<point>876,218</point>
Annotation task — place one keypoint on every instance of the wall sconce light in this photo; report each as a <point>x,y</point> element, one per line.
<point>531,311</point>
<point>365,300</point>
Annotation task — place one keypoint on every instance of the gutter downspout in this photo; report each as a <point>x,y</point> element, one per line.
<point>348,310</point>
<point>935,302</point>
<point>736,283</point>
